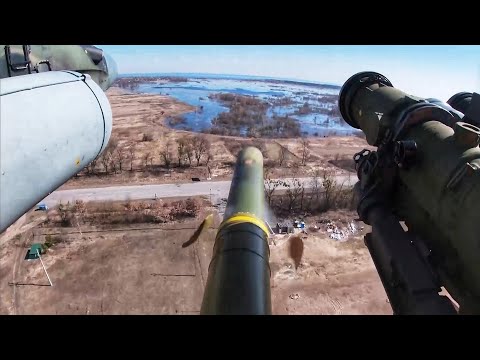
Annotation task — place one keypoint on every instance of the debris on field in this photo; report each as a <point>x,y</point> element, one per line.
<point>294,296</point>
<point>340,234</point>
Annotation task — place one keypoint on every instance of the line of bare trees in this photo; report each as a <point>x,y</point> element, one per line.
<point>75,214</point>
<point>112,159</point>
<point>185,151</point>
<point>322,193</point>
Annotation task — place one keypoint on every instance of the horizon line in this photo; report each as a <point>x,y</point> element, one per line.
<point>316,82</point>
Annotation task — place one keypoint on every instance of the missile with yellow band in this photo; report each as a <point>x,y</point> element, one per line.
<point>239,273</point>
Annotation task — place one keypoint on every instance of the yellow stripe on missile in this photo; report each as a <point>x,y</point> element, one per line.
<point>244,218</point>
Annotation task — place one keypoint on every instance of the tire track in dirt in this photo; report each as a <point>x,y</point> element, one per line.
<point>336,305</point>
<point>19,251</point>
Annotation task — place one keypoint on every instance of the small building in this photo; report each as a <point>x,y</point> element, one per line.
<point>32,252</point>
<point>282,229</point>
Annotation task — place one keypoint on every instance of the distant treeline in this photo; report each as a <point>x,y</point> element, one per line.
<point>132,82</point>
<point>154,78</point>
<point>292,82</point>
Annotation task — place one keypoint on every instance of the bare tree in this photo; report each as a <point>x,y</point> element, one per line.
<point>305,150</point>
<point>209,157</point>
<point>65,213</point>
<point>329,185</point>
<point>120,155</point>
<point>105,160</point>
<point>79,210</point>
<point>131,154</point>
<point>200,146</point>
<point>270,186</point>
<point>181,149</point>
<point>189,152</point>
<point>91,167</point>
<point>342,195</point>
<point>166,154</point>
<point>113,162</point>
<point>294,191</point>
<point>147,157</point>
<point>107,156</point>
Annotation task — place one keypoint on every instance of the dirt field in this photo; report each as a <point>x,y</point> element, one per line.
<point>143,269</point>
<point>137,114</point>
<point>140,269</point>
<point>334,277</point>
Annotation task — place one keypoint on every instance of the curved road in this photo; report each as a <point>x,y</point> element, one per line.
<point>217,189</point>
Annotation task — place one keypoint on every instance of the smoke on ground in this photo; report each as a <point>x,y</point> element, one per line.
<point>296,250</point>
<point>269,216</point>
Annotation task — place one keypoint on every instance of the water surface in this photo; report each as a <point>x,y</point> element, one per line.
<point>197,89</point>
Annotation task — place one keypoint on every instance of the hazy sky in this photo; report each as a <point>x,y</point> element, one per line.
<point>428,71</point>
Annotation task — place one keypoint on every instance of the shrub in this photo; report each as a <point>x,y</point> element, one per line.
<point>147,137</point>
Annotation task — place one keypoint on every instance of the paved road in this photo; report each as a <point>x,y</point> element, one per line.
<point>217,189</point>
